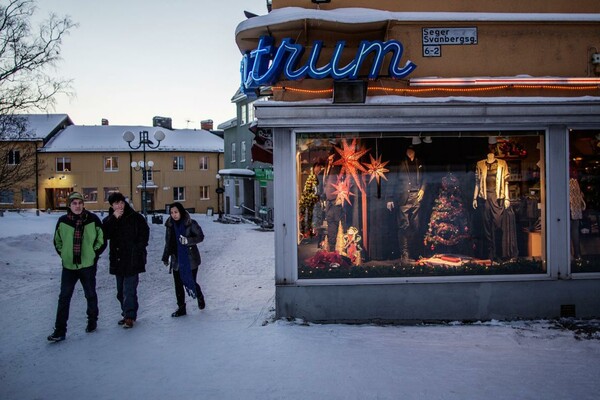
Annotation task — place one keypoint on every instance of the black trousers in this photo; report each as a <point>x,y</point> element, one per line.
<point>180,290</point>
<point>68,279</point>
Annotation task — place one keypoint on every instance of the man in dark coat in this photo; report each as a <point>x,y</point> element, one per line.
<point>128,234</point>
<point>403,197</point>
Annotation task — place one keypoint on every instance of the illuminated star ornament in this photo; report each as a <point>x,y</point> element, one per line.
<point>342,192</point>
<point>376,169</point>
<point>349,159</point>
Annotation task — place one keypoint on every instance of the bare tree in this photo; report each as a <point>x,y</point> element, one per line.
<point>26,60</point>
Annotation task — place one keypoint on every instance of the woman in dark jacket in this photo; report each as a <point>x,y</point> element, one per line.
<point>181,239</point>
<point>128,233</point>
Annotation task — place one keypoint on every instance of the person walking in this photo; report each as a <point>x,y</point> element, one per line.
<point>127,233</point>
<point>79,241</point>
<point>181,246</point>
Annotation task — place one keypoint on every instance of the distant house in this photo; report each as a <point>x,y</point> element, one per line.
<point>20,138</point>
<point>96,161</point>
<point>247,177</point>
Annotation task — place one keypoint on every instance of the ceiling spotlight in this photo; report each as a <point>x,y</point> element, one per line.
<point>427,139</point>
<point>416,140</point>
<point>492,140</point>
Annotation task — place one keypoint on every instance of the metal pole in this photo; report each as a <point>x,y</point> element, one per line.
<point>144,194</point>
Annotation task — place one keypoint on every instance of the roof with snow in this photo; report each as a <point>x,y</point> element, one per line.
<point>110,138</point>
<point>41,126</point>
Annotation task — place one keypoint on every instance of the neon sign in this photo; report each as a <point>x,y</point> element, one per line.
<point>265,64</point>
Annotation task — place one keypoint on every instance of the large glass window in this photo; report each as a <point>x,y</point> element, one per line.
<point>584,197</point>
<point>178,163</point>
<point>414,204</point>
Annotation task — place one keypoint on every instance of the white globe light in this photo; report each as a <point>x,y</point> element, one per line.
<point>151,163</point>
<point>133,164</point>
<point>128,136</point>
<point>159,135</point>
<point>141,164</point>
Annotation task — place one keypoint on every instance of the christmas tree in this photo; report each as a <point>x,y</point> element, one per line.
<point>448,225</point>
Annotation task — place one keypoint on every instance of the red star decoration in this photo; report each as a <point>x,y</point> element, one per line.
<point>342,192</point>
<point>350,159</point>
<point>376,169</point>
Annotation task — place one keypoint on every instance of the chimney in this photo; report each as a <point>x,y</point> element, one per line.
<point>207,124</point>
<point>104,121</point>
<point>163,122</point>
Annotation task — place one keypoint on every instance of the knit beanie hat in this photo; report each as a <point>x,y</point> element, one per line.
<point>75,195</point>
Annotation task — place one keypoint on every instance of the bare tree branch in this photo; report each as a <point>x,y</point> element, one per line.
<point>26,59</point>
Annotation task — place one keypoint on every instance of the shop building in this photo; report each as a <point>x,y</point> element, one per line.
<point>434,162</point>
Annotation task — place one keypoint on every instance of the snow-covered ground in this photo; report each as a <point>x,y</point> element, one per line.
<point>235,350</point>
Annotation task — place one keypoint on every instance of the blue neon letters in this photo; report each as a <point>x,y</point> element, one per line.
<point>265,64</point>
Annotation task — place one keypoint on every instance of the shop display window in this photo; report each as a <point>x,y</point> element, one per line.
<point>584,199</point>
<point>414,204</point>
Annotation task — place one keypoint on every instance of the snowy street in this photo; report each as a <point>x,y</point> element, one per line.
<point>235,350</point>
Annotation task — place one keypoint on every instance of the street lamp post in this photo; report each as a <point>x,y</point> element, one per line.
<point>143,142</point>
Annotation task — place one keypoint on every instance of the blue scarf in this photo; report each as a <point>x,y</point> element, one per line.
<point>185,269</point>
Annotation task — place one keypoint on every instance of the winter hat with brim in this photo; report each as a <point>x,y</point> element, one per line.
<point>75,196</point>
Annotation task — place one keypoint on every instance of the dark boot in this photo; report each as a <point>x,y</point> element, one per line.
<point>179,312</point>
<point>57,336</point>
<point>201,303</point>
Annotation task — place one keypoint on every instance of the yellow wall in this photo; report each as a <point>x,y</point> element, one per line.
<point>87,171</point>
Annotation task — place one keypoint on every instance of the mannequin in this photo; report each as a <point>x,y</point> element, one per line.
<point>577,204</point>
<point>403,196</point>
<point>491,190</point>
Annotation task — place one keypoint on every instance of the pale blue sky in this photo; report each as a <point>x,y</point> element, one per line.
<point>135,59</point>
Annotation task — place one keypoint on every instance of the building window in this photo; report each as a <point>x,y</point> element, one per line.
<point>251,112</point>
<point>204,162</point>
<point>233,154</point>
<point>111,164</point>
<point>243,151</point>
<point>7,197</point>
<point>402,206</point>
<point>14,157</point>
<point>584,200</point>
<point>108,191</point>
<point>243,114</point>
<point>179,193</point>
<point>28,196</point>
<point>149,175</point>
<point>204,192</point>
<point>90,195</point>
<point>178,163</point>
<point>63,164</point>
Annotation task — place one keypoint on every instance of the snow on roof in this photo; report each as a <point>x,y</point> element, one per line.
<point>236,172</point>
<point>367,15</point>
<point>110,138</point>
<point>39,126</point>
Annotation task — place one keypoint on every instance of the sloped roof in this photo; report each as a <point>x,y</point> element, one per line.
<point>109,138</point>
<point>42,126</point>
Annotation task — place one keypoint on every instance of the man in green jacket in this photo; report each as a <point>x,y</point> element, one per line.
<point>79,241</point>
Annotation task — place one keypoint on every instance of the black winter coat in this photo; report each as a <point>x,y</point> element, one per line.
<point>128,238</point>
<point>194,234</point>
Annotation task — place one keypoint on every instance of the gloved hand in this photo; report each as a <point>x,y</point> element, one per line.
<point>183,240</point>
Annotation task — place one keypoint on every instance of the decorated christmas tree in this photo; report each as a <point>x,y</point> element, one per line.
<point>448,225</point>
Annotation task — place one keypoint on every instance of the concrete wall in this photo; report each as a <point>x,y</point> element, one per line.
<point>449,301</point>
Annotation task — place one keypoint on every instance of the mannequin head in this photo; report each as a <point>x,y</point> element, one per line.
<point>410,153</point>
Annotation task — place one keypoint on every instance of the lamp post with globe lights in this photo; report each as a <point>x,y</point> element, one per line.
<point>143,142</point>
